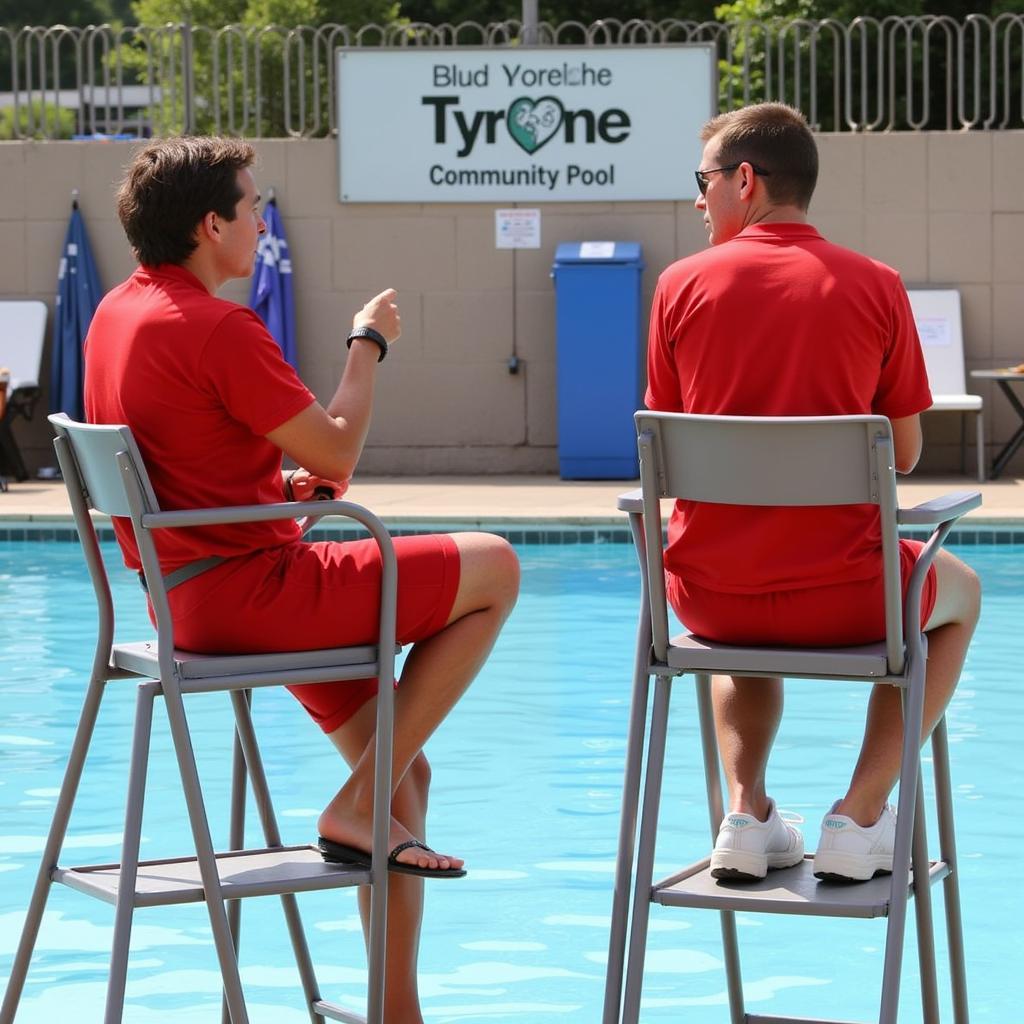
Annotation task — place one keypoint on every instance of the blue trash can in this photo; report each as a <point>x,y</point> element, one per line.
<point>597,303</point>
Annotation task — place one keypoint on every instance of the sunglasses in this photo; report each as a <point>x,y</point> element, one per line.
<point>703,181</point>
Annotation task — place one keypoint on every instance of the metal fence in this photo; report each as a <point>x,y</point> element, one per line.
<point>897,73</point>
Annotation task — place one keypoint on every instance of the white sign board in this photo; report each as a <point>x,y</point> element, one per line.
<point>517,229</point>
<point>522,125</point>
<point>937,316</point>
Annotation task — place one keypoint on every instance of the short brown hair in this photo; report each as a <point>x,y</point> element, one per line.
<point>171,185</point>
<point>776,138</point>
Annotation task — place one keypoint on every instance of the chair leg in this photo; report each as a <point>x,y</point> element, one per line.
<point>913,712</point>
<point>236,841</point>
<point>130,841</point>
<point>716,811</point>
<point>980,426</point>
<point>951,883</point>
<point>923,910</point>
<point>9,450</point>
<point>627,823</point>
<point>51,851</point>
<point>645,851</point>
<point>376,946</point>
<point>246,742</point>
<point>204,853</point>
<point>963,444</point>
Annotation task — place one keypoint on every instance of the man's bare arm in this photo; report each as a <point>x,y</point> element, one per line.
<point>328,442</point>
<point>906,442</point>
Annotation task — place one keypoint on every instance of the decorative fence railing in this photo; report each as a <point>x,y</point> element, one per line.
<point>897,73</point>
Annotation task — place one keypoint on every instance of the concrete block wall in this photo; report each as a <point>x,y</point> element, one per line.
<point>943,208</point>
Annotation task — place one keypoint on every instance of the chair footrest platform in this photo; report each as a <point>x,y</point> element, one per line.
<point>243,873</point>
<point>332,1011</point>
<point>788,891</point>
<point>756,1018</point>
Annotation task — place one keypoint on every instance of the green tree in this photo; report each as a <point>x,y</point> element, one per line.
<point>284,59</point>
<point>762,31</point>
<point>556,11</point>
<point>16,13</point>
<point>37,120</point>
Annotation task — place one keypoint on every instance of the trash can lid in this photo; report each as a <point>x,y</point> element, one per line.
<point>598,252</point>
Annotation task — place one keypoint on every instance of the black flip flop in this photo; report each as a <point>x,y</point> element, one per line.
<point>339,853</point>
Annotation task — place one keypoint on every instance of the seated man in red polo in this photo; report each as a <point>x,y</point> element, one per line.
<point>214,407</point>
<point>773,320</point>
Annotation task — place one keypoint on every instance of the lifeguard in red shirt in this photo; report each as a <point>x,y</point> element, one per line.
<point>214,407</point>
<point>773,320</point>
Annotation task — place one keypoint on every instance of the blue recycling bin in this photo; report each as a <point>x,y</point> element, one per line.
<point>597,303</point>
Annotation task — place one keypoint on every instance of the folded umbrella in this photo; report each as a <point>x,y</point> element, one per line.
<point>78,294</point>
<point>272,296</point>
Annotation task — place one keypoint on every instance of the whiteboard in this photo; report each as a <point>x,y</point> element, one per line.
<point>939,325</point>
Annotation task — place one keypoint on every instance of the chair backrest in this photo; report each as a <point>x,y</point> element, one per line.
<point>100,464</point>
<point>95,449</point>
<point>939,325</point>
<point>103,470</point>
<point>769,461</point>
<point>22,334</point>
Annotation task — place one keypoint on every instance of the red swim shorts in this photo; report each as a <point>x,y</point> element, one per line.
<point>307,596</point>
<point>843,615</point>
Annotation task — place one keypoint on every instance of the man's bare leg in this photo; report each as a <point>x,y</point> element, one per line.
<point>436,673</point>
<point>949,629</point>
<point>747,714</point>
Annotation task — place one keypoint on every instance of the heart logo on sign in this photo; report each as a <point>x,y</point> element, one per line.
<point>532,122</point>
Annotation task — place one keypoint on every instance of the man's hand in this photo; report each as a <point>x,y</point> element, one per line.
<point>330,440</point>
<point>305,486</point>
<point>381,313</point>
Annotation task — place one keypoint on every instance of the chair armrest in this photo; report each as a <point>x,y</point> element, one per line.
<point>939,510</point>
<point>254,514</point>
<point>631,501</point>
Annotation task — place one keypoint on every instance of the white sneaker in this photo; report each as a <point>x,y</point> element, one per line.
<point>848,852</point>
<point>746,848</point>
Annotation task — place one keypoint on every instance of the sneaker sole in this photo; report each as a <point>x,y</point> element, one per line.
<point>738,866</point>
<point>839,867</point>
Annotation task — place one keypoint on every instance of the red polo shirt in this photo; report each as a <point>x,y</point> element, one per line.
<point>779,322</point>
<point>200,381</point>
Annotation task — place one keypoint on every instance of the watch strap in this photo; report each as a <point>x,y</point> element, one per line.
<point>370,334</point>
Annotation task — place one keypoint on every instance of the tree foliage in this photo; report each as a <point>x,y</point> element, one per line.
<point>36,120</point>
<point>16,13</point>
<point>223,86</point>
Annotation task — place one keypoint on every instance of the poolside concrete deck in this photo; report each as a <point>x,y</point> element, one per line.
<point>469,501</point>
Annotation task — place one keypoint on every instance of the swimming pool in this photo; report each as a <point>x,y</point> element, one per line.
<point>527,775</point>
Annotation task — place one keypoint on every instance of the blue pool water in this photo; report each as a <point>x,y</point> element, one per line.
<point>527,784</point>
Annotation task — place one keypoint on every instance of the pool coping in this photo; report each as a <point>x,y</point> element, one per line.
<point>525,509</point>
<point>53,527</point>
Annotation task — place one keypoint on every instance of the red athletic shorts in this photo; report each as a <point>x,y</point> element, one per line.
<point>307,596</point>
<point>843,615</point>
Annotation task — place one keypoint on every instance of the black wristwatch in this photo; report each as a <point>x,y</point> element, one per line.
<point>375,336</point>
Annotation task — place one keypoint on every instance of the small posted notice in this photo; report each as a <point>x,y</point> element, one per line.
<point>597,250</point>
<point>934,331</point>
<point>517,229</point>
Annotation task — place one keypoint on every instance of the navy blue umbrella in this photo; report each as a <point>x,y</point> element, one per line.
<point>78,294</point>
<point>271,295</point>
